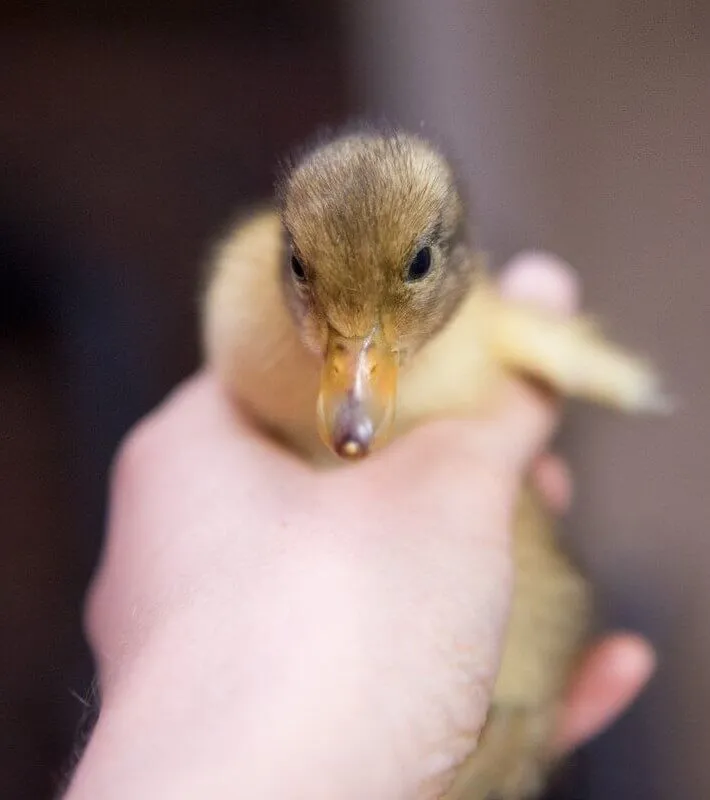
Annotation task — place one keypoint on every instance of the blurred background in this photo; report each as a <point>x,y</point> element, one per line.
<point>130,132</point>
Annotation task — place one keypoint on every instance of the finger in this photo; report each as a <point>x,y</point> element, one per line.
<point>527,415</point>
<point>609,679</point>
<point>553,479</point>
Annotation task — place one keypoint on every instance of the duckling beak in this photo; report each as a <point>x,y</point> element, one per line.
<point>357,393</point>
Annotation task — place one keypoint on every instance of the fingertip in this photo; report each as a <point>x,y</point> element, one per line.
<point>629,656</point>
<point>543,279</point>
<point>609,679</point>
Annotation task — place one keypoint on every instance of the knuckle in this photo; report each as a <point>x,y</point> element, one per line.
<point>132,452</point>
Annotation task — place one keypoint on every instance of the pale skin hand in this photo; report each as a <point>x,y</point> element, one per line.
<point>266,632</point>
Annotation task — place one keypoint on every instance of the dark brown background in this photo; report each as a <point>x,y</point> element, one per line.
<point>130,132</point>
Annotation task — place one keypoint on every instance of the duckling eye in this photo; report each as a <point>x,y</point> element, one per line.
<point>420,265</point>
<point>297,269</point>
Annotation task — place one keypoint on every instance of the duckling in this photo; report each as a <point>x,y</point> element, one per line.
<point>354,309</point>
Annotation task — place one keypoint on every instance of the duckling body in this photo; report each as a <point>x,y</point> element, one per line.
<point>255,343</point>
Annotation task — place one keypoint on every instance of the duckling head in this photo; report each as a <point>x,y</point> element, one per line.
<point>375,266</point>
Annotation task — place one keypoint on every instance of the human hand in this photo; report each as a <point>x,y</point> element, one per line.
<point>264,629</point>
